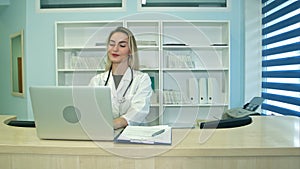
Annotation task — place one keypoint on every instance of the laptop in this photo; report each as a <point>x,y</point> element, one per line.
<point>72,112</point>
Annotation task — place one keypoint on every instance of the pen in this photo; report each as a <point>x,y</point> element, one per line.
<point>158,132</point>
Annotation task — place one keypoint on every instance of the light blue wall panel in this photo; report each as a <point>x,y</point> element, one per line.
<point>12,20</point>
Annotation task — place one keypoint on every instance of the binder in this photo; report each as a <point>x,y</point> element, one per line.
<point>212,89</point>
<point>203,90</point>
<point>161,134</point>
<point>193,90</point>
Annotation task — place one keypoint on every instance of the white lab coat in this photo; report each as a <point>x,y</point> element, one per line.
<point>137,99</point>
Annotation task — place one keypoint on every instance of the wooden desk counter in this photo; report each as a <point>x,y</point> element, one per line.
<point>268,142</point>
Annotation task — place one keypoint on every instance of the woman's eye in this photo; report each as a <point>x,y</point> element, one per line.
<point>123,45</point>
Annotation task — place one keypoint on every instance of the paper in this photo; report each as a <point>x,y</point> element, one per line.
<point>161,134</point>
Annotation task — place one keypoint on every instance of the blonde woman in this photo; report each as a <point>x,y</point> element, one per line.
<point>131,88</point>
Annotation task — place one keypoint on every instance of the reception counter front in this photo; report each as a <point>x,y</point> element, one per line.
<point>268,142</point>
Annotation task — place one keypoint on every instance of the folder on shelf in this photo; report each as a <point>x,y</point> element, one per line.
<point>212,88</point>
<point>167,98</point>
<point>161,134</point>
<point>193,90</point>
<point>202,90</point>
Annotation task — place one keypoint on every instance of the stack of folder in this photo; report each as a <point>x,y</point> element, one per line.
<point>203,90</point>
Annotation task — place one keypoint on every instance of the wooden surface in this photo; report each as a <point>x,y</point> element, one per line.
<point>269,142</point>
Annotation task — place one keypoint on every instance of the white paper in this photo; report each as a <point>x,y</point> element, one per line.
<point>143,134</point>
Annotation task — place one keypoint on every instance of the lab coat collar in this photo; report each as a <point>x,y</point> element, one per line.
<point>125,81</point>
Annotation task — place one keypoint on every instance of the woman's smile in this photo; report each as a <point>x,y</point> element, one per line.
<point>115,55</point>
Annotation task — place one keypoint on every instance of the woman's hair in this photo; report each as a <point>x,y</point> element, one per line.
<point>133,58</point>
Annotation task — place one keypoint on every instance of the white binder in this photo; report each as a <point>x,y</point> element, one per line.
<point>193,90</point>
<point>212,89</point>
<point>203,90</point>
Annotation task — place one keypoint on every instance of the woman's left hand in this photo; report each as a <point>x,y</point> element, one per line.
<point>120,123</point>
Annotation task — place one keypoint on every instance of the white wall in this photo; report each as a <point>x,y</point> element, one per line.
<point>253,49</point>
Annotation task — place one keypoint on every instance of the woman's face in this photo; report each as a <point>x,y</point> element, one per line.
<point>118,48</point>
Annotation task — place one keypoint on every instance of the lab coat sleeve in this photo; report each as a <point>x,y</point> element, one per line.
<point>140,103</point>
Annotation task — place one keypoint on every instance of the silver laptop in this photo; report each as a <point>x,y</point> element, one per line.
<point>73,112</point>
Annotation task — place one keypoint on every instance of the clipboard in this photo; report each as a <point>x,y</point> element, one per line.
<point>161,134</point>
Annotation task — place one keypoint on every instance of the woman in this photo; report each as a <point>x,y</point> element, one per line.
<point>131,89</point>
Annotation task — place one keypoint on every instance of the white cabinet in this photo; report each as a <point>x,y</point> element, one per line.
<point>195,71</point>
<point>80,50</point>
<point>188,62</point>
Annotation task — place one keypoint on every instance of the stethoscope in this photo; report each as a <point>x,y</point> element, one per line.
<point>122,100</point>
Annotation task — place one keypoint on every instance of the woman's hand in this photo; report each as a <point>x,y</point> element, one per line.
<point>120,123</point>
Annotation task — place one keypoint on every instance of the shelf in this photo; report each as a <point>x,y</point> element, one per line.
<point>100,47</point>
<point>80,70</point>
<point>195,105</point>
<point>149,69</point>
<point>82,48</point>
<point>155,105</point>
<point>195,47</point>
<point>171,52</point>
<point>195,69</point>
<point>147,47</point>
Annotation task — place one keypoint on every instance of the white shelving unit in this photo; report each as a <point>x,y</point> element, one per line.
<point>80,50</point>
<point>179,56</point>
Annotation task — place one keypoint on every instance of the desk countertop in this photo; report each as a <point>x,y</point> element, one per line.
<point>265,136</point>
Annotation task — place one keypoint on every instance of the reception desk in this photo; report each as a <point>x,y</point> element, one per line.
<point>268,142</point>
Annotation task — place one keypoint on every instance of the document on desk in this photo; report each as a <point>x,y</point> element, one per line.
<point>161,134</point>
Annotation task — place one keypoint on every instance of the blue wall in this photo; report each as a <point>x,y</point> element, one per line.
<point>40,44</point>
<point>12,20</point>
